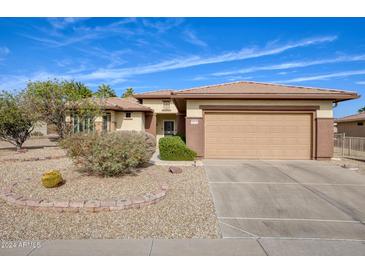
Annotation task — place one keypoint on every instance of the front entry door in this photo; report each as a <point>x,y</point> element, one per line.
<point>168,127</point>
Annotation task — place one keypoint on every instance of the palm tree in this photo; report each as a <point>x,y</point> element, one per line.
<point>128,92</point>
<point>105,91</point>
<point>361,110</point>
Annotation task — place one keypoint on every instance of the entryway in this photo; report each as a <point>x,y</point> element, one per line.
<point>168,127</point>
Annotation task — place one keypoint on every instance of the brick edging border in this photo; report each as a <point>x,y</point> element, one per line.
<point>139,201</point>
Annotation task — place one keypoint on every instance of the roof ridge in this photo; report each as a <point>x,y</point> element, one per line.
<point>153,91</point>
<point>262,83</point>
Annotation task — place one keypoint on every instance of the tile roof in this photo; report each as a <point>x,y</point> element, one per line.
<point>352,118</point>
<point>252,90</point>
<point>255,88</point>
<point>155,94</point>
<point>128,104</point>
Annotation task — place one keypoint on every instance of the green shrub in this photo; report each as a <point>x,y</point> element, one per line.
<point>51,178</point>
<point>182,136</point>
<point>111,154</point>
<point>173,148</point>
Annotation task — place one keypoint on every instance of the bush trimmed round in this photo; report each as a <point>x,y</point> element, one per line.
<point>173,148</point>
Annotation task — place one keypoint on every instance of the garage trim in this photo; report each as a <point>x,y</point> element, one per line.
<point>250,107</point>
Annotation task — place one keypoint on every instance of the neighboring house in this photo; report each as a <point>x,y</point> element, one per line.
<point>240,120</point>
<point>352,126</point>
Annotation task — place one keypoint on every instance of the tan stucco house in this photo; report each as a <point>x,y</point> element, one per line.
<point>240,120</point>
<point>352,126</point>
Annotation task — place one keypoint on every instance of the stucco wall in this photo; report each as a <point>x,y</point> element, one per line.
<point>157,105</point>
<point>136,122</point>
<point>351,129</point>
<point>325,107</point>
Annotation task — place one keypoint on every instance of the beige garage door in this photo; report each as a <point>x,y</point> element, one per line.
<point>258,135</point>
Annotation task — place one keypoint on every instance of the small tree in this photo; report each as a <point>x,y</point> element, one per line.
<point>105,91</point>
<point>128,92</point>
<point>52,100</point>
<point>361,110</point>
<point>16,120</point>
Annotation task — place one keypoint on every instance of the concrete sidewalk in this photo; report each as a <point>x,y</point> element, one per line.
<point>192,247</point>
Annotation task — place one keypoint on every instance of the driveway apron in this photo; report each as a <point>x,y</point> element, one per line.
<point>275,201</point>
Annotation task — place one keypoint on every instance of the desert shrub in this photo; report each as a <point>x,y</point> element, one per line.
<point>37,133</point>
<point>111,154</point>
<point>79,145</point>
<point>173,148</point>
<point>51,178</point>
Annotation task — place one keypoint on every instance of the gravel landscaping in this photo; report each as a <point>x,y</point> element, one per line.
<point>30,154</point>
<point>350,163</point>
<point>186,212</point>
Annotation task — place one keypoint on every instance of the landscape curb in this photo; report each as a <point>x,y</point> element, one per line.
<point>91,205</point>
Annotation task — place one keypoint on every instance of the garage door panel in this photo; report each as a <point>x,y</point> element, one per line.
<point>258,135</point>
<point>233,141</point>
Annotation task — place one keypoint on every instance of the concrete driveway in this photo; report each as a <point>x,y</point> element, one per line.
<point>290,207</point>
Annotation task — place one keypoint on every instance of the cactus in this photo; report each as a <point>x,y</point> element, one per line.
<point>51,178</point>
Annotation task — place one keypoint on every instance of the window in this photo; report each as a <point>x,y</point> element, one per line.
<point>166,105</point>
<point>128,115</point>
<point>360,123</point>
<point>85,124</point>
<point>106,122</point>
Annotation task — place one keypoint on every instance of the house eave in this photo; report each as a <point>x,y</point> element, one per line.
<point>253,96</point>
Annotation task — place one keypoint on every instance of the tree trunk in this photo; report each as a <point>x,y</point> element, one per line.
<point>18,147</point>
<point>60,130</point>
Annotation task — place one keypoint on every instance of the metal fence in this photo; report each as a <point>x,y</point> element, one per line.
<point>346,146</point>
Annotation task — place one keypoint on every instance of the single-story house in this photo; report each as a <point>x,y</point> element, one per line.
<point>353,125</point>
<point>239,120</point>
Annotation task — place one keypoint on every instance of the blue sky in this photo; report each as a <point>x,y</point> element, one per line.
<point>175,53</point>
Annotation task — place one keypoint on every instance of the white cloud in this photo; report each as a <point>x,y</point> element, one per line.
<point>191,61</point>
<point>325,76</point>
<point>360,82</point>
<point>63,22</point>
<point>17,82</point>
<point>192,38</point>
<point>56,38</point>
<point>119,75</point>
<point>63,41</point>
<point>290,65</point>
<point>4,51</point>
<point>162,24</point>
